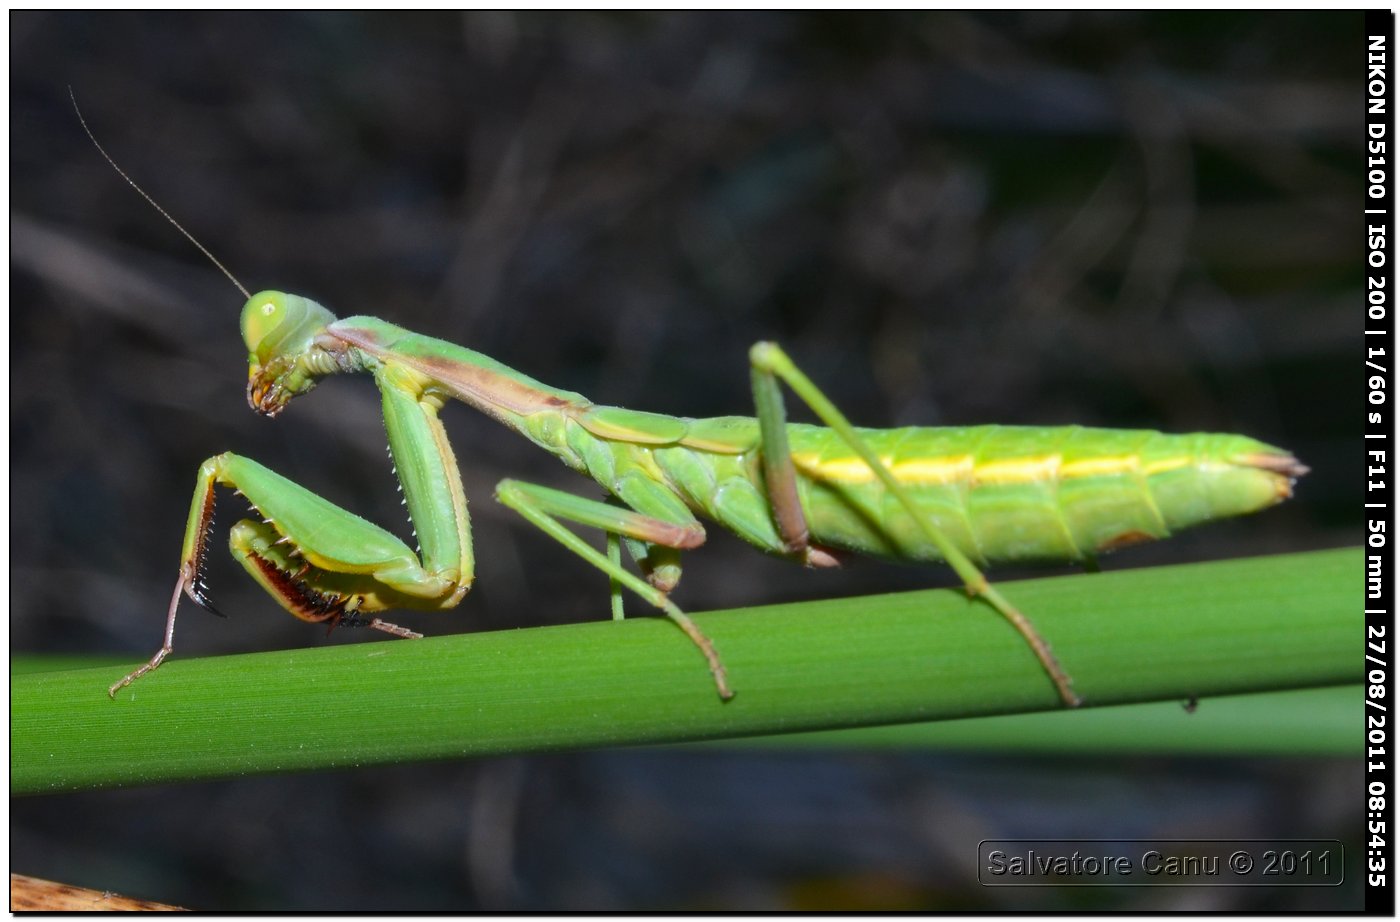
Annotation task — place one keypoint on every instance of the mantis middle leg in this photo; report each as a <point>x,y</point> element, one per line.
<point>771,365</point>
<point>678,530</point>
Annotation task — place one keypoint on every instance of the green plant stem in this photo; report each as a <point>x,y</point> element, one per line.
<point>1296,722</point>
<point>1165,633</point>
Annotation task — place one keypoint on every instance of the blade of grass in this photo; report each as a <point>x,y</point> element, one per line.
<point>1297,722</point>
<point>1228,627</point>
<point>21,664</point>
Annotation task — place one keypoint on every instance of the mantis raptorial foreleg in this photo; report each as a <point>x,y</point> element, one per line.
<point>323,563</point>
<point>319,561</point>
<point>545,507</point>
<point>769,366</point>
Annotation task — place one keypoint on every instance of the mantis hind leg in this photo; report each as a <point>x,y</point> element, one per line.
<point>545,508</point>
<point>771,365</point>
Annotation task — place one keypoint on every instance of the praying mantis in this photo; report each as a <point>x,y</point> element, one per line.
<point>809,493</point>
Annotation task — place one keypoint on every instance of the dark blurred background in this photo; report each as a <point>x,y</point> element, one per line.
<point>1146,220</point>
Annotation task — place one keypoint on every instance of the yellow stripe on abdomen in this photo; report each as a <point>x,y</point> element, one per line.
<point>962,469</point>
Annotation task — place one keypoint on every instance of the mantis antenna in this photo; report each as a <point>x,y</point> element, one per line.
<point>163,213</point>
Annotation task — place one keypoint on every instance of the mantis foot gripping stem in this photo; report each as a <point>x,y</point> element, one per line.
<point>164,651</point>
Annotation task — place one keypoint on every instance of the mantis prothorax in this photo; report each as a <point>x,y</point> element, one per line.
<point>967,496</point>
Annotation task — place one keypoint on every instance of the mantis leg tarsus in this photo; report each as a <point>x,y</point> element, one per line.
<point>192,559</point>
<point>377,624</point>
<point>707,647</point>
<point>770,365</point>
<point>380,625</point>
<point>181,585</point>
<point>1063,683</point>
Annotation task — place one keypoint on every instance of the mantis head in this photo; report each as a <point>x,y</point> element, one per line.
<point>284,359</point>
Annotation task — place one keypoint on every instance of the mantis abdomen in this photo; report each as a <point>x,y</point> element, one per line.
<point>1001,493</point>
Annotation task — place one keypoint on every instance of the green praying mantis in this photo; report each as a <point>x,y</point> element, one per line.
<point>809,493</point>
